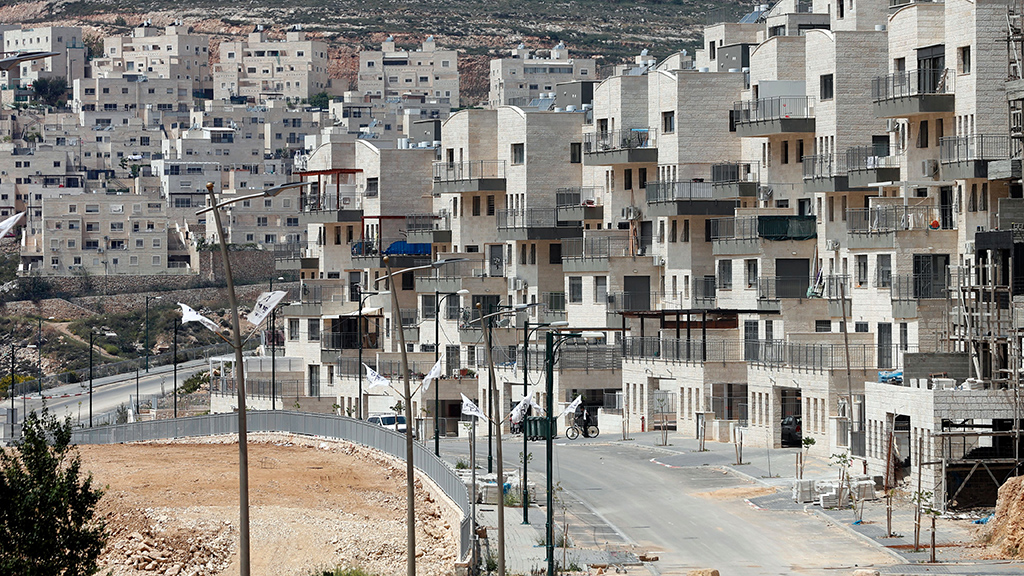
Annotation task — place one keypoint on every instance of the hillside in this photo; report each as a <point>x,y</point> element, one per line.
<point>607,29</point>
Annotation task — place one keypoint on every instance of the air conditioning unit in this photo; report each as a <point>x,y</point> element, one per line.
<point>929,168</point>
<point>832,245</point>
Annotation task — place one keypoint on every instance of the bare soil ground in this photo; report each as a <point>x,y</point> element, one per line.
<point>172,508</point>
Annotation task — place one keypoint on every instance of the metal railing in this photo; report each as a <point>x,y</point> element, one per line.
<point>532,218</point>
<point>776,287</point>
<point>636,301</point>
<point>974,147</point>
<point>604,247</point>
<point>893,4</point>
<point>419,222</point>
<point>348,340</point>
<point>824,165</point>
<point>667,191</point>
<point>912,83</point>
<point>579,356</point>
<point>578,196</point>
<point>553,301</point>
<point>315,293</point>
<point>303,423</point>
<point>290,250</point>
<point>918,286</point>
<point>632,139</point>
<point>870,158</point>
<point>835,286</point>
<point>887,219</point>
<point>468,170</point>
<point>774,108</point>
<point>695,350</point>
<point>704,291</point>
<point>729,172</point>
<point>767,227</point>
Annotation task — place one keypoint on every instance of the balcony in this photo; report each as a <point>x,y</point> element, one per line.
<point>334,341</point>
<point>536,224</point>
<point>634,301</point>
<point>687,198</point>
<point>898,217</point>
<point>912,92</point>
<point>705,294</point>
<point>429,228</point>
<point>593,254</point>
<point>963,157</point>
<point>579,203</point>
<point>636,145</point>
<point>368,253</point>
<point>825,173</point>
<point>895,5</point>
<point>772,116</point>
<point>471,176</point>
<point>866,165</point>
<point>739,235</point>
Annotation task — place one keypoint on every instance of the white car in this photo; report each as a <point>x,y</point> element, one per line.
<point>392,421</point>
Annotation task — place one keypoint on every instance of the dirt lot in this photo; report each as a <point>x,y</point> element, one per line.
<point>172,508</point>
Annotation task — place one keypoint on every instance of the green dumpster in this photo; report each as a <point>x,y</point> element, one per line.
<point>536,428</point>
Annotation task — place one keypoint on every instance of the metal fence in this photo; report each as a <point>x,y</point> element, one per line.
<point>774,108</point>
<point>317,425</point>
<point>533,218</point>
<point>470,170</point>
<point>871,158</point>
<point>603,247</point>
<point>578,196</point>
<point>631,139</point>
<point>887,219</point>
<point>974,147</point>
<point>825,165</point>
<point>694,350</point>
<point>667,191</point>
<point>912,83</point>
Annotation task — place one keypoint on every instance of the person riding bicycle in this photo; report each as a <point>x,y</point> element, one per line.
<point>583,420</point>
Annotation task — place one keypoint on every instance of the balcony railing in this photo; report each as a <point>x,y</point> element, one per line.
<point>553,301</point>
<point>421,222</point>
<point>975,147</point>
<point>776,287</point>
<point>389,247</point>
<point>578,196</point>
<point>888,219</point>
<point>637,301</point>
<point>918,286</point>
<point>693,350</point>
<point>825,165</point>
<point>632,139</point>
<point>532,218</point>
<point>774,108</point>
<point>870,158</point>
<point>730,172</point>
<point>767,227</point>
<point>470,170</point>
<point>603,247</point>
<point>704,291</point>
<point>320,293</point>
<point>835,286</point>
<point>679,190</point>
<point>289,250</point>
<point>348,340</point>
<point>912,83</point>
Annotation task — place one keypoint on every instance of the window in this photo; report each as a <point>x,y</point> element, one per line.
<point>883,270</point>
<point>822,325</point>
<point>292,221</point>
<point>862,270</point>
<point>922,134</point>
<point>641,177</point>
<point>600,289</point>
<point>293,329</point>
<point>429,306</point>
<point>668,121</point>
<point>799,150</point>
<point>518,153</point>
<point>826,87</point>
<point>313,325</point>
<point>751,266</point>
<point>860,327</point>
<point>686,230</point>
<point>575,289</point>
<point>261,221</point>
<point>490,205</point>
<point>575,152</point>
<point>627,179</point>
<point>725,274</point>
<point>476,205</point>
<point>965,59</point>
<point>555,254</point>
<point>785,151</point>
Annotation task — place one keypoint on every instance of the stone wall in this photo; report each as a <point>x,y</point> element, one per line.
<point>247,266</point>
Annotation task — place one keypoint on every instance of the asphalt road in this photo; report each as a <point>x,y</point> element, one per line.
<point>690,515</point>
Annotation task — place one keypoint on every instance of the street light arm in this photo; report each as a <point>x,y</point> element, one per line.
<point>518,308</point>
<point>268,193</point>
<point>435,264</point>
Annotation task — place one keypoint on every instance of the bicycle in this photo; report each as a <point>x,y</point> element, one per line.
<point>573,432</point>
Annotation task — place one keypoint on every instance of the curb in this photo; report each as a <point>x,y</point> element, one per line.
<point>851,531</point>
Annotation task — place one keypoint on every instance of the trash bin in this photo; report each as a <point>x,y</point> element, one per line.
<point>536,428</point>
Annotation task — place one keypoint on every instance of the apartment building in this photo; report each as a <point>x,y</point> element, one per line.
<point>65,41</point>
<point>261,69</point>
<point>522,77</point>
<point>427,72</point>
<point>172,54</point>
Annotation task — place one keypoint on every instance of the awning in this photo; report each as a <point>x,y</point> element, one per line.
<point>366,312</point>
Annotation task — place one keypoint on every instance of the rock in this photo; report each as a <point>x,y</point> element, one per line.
<point>703,572</point>
<point>173,570</point>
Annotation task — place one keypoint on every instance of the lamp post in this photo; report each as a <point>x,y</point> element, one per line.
<point>439,297</point>
<point>236,343</point>
<point>410,487</point>
<point>91,334</point>
<point>526,390</point>
<point>176,323</point>
<point>148,298</point>
<point>273,350</point>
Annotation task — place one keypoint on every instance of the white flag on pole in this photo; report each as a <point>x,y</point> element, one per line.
<point>434,374</point>
<point>8,224</point>
<point>470,409</point>
<point>571,408</point>
<point>520,410</point>
<point>533,403</point>
<point>375,379</point>
<point>190,315</point>
<point>264,304</point>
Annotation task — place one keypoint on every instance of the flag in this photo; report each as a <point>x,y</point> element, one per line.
<point>8,224</point>
<point>520,410</point>
<point>571,408</point>
<point>264,304</point>
<point>533,403</point>
<point>190,315</point>
<point>375,379</point>
<point>470,409</point>
<point>434,374</point>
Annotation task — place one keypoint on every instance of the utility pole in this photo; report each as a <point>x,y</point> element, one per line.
<point>176,367</point>
<point>91,333</point>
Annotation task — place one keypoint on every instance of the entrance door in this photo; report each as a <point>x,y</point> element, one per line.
<point>497,260</point>
<point>646,237</point>
<point>931,64</point>
<point>637,293</point>
<point>884,346</point>
<point>314,380</point>
<point>946,207</point>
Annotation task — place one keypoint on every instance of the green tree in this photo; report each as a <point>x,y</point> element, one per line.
<point>51,91</point>
<point>48,521</point>
<point>321,100</point>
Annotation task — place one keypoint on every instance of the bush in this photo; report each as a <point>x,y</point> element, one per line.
<point>111,349</point>
<point>194,382</point>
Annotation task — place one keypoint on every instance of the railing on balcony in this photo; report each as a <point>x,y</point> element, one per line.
<point>578,196</point>
<point>975,147</point>
<point>553,301</point>
<point>421,222</point>
<point>767,227</point>
<point>776,287</point>
<point>824,357</point>
<point>774,108</point>
<point>469,170</point>
<point>636,301</point>
<point>825,165</point>
<point>870,158</point>
<point>410,317</point>
<point>632,139</point>
<point>704,291</point>
<point>835,286</point>
<point>912,83</point>
<point>893,4</point>
<point>668,191</point>
<point>888,219</point>
<point>290,250</point>
<point>319,293</point>
<point>730,172</point>
<point>603,247</point>
<point>918,286</point>
<point>458,270</point>
<point>348,340</point>
<point>532,218</point>
<point>683,350</point>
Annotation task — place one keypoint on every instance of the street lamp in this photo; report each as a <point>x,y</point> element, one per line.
<point>18,57</point>
<point>439,297</point>
<point>363,295</point>
<point>273,349</point>
<point>148,298</point>
<point>410,494</point>
<point>10,388</point>
<point>236,343</point>
<point>551,347</point>
<point>526,390</point>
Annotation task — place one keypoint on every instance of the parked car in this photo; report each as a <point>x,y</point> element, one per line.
<point>392,421</point>
<point>791,431</point>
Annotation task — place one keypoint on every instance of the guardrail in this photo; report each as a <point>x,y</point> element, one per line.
<point>667,191</point>
<point>304,423</point>
<point>470,170</point>
<point>887,219</point>
<point>974,147</point>
<point>620,140</point>
<point>912,83</point>
<point>774,108</point>
<point>578,196</point>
